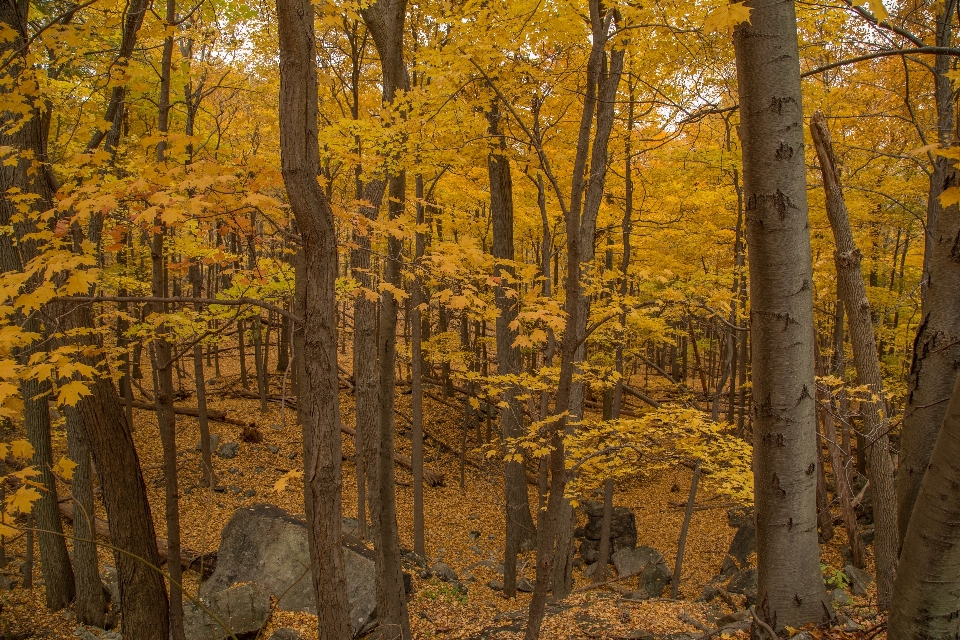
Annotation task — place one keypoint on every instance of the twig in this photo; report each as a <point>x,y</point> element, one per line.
<point>763,625</point>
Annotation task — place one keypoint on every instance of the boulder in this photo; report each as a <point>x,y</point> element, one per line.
<point>240,609</point>
<point>646,562</point>
<point>265,545</point>
<point>228,450</point>
<point>285,633</point>
<point>744,582</point>
<point>744,541</point>
<point>859,579</point>
<point>623,530</point>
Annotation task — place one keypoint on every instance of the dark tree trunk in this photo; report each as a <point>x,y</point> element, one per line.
<point>936,348</point>
<point>867,361</point>
<point>927,588</point>
<point>520,529</point>
<point>318,401</point>
<point>89,605</point>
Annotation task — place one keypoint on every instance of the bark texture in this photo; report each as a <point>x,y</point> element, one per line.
<point>860,320</point>
<point>936,348</point>
<point>790,585</point>
<point>520,529</point>
<point>318,403</point>
<point>926,594</point>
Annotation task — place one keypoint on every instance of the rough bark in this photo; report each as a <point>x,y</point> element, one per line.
<point>520,529</point>
<point>926,594</point>
<point>790,585</point>
<point>385,20</point>
<point>936,348</point>
<point>580,220</point>
<point>318,401</point>
<point>89,604</point>
<point>860,321</point>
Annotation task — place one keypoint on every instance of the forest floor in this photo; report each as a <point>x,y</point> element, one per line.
<point>453,512</point>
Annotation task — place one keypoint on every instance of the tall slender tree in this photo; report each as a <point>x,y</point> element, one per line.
<point>790,585</point>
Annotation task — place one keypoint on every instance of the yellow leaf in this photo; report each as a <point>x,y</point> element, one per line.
<point>71,393</point>
<point>281,483</point>
<point>6,525</point>
<point>23,499</point>
<point>21,449</point>
<point>726,17</point>
<point>950,197</point>
<point>880,11</point>
<point>64,468</point>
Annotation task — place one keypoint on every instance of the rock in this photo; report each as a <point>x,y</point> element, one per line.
<point>285,633</point>
<point>7,583</point>
<point>68,614</point>
<point>744,541</point>
<point>496,585</point>
<point>83,633</point>
<point>839,596</point>
<point>110,635</point>
<point>273,449</point>
<point>867,535</point>
<point>524,585</point>
<point>233,470</point>
<point>640,634</point>
<point>623,530</point>
<point>214,443</point>
<point>243,609</point>
<point>111,584</point>
<point>228,450</point>
<point>637,596</point>
<point>743,581</point>
<point>710,592</point>
<point>266,545</point>
<point>654,578</point>
<point>444,572</point>
<point>249,493</point>
<point>234,488</point>
<point>851,627</point>
<point>277,427</point>
<point>591,570</point>
<point>859,579</point>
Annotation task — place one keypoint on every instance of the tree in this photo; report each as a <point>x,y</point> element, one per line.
<point>317,368</point>
<point>790,586</point>
<point>853,292</point>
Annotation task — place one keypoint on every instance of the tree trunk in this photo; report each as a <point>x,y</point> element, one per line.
<point>318,401</point>
<point>416,382</point>
<point>936,349</point>
<point>927,588</point>
<point>89,605</point>
<point>206,455</point>
<point>520,530</point>
<point>790,585</point>
<point>601,89</point>
<point>867,362</point>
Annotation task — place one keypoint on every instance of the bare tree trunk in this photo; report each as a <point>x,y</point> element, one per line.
<point>206,455</point>
<point>89,605</point>
<point>580,218</point>
<point>416,380</point>
<point>790,585</point>
<point>936,349</point>
<point>520,529</point>
<point>927,587</point>
<point>867,362</point>
<point>385,20</point>
<point>318,402</point>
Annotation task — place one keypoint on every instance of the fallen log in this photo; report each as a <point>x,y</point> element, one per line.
<point>212,414</point>
<point>203,563</point>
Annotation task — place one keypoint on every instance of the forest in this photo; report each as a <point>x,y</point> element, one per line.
<point>483,320</point>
